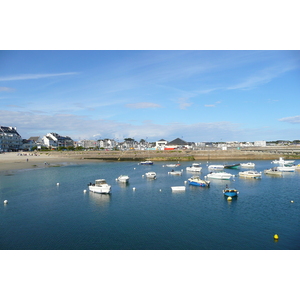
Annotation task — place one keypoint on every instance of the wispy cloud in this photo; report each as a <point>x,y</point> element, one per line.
<point>292,120</point>
<point>212,105</point>
<point>34,76</point>
<point>6,89</point>
<point>141,105</point>
<point>183,103</point>
<point>262,77</point>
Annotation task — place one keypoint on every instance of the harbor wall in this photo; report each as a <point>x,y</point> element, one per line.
<point>188,155</point>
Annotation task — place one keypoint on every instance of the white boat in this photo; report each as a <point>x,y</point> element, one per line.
<point>286,168</point>
<point>195,167</point>
<point>100,186</point>
<point>282,161</point>
<point>123,178</point>
<point>250,174</point>
<point>247,165</point>
<point>215,167</point>
<point>219,175</point>
<point>178,188</point>
<point>197,181</point>
<point>273,171</point>
<point>175,172</point>
<point>146,162</point>
<point>151,175</point>
<point>173,165</point>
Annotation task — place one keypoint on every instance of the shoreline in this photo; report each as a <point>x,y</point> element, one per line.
<point>12,161</point>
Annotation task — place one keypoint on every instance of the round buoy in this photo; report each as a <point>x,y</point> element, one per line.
<point>84,191</point>
<point>133,188</point>
<point>229,198</point>
<point>292,201</point>
<point>276,237</point>
<point>5,201</point>
<point>160,190</point>
<point>133,168</point>
<point>57,183</point>
<point>185,182</point>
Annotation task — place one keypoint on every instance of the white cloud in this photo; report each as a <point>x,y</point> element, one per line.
<point>141,105</point>
<point>262,77</point>
<point>6,89</point>
<point>292,120</point>
<point>34,76</point>
<point>183,103</point>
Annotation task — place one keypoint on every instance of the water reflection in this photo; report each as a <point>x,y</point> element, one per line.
<point>123,184</point>
<point>101,200</point>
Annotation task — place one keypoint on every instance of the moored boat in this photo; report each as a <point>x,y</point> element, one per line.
<point>286,167</point>
<point>233,166</point>
<point>172,165</point>
<point>250,174</point>
<point>146,162</point>
<point>178,188</point>
<point>195,167</point>
<point>248,165</point>
<point>273,171</point>
<point>197,181</point>
<point>100,186</point>
<point>123,178</point>
<point>219,175</point>
<point>282,161</point>
<point>173,172</point>
<point>216,167</point>
<point>151,175</point>
<point>230,192</point>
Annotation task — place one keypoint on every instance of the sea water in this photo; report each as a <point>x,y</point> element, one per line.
<point>49,209</point>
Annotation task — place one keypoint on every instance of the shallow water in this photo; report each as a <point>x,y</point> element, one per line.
<point>43,215</point>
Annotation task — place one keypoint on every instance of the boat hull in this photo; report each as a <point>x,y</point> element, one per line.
<point>204,184</point>
<point>100,190</point>
<point>230,193</point>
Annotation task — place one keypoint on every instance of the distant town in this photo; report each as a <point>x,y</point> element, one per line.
<point>11,140</point>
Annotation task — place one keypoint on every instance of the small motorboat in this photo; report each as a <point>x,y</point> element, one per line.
<point>248,165</point>
<point>250,174</point>
<point>195,167</point>
<point>219,175</point>
<point>100,186</point>
<point>273,171</point>
<point>146,162</point>
<point>197,181</point>
<point>215,167</point>
<point>173,172</point>
<point>151,175</point>
<point>178,188</point>
<point>123,178</point>
<point>234,166</point>
<point>282,161</point>
<point>230,192</point>
<point>286,168</point>
<point>172,165</point>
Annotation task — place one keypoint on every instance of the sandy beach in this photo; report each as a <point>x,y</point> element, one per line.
<point>11,161</point>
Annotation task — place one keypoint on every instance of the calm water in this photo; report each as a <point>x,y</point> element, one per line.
<point>43,215</point>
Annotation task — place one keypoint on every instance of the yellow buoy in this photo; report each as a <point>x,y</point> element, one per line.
<point>229,198</point>
<point>292,201</point>
<point>276,237</point>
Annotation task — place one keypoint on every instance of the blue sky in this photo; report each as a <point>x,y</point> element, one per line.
<point>194,95</point>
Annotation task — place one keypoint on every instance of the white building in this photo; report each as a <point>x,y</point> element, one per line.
<point>54,140</point>
<point>260,144</point>
<point>160,145</point>
<point>10,140</point>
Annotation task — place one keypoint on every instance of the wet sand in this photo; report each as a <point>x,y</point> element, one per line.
<point>17,161</point>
